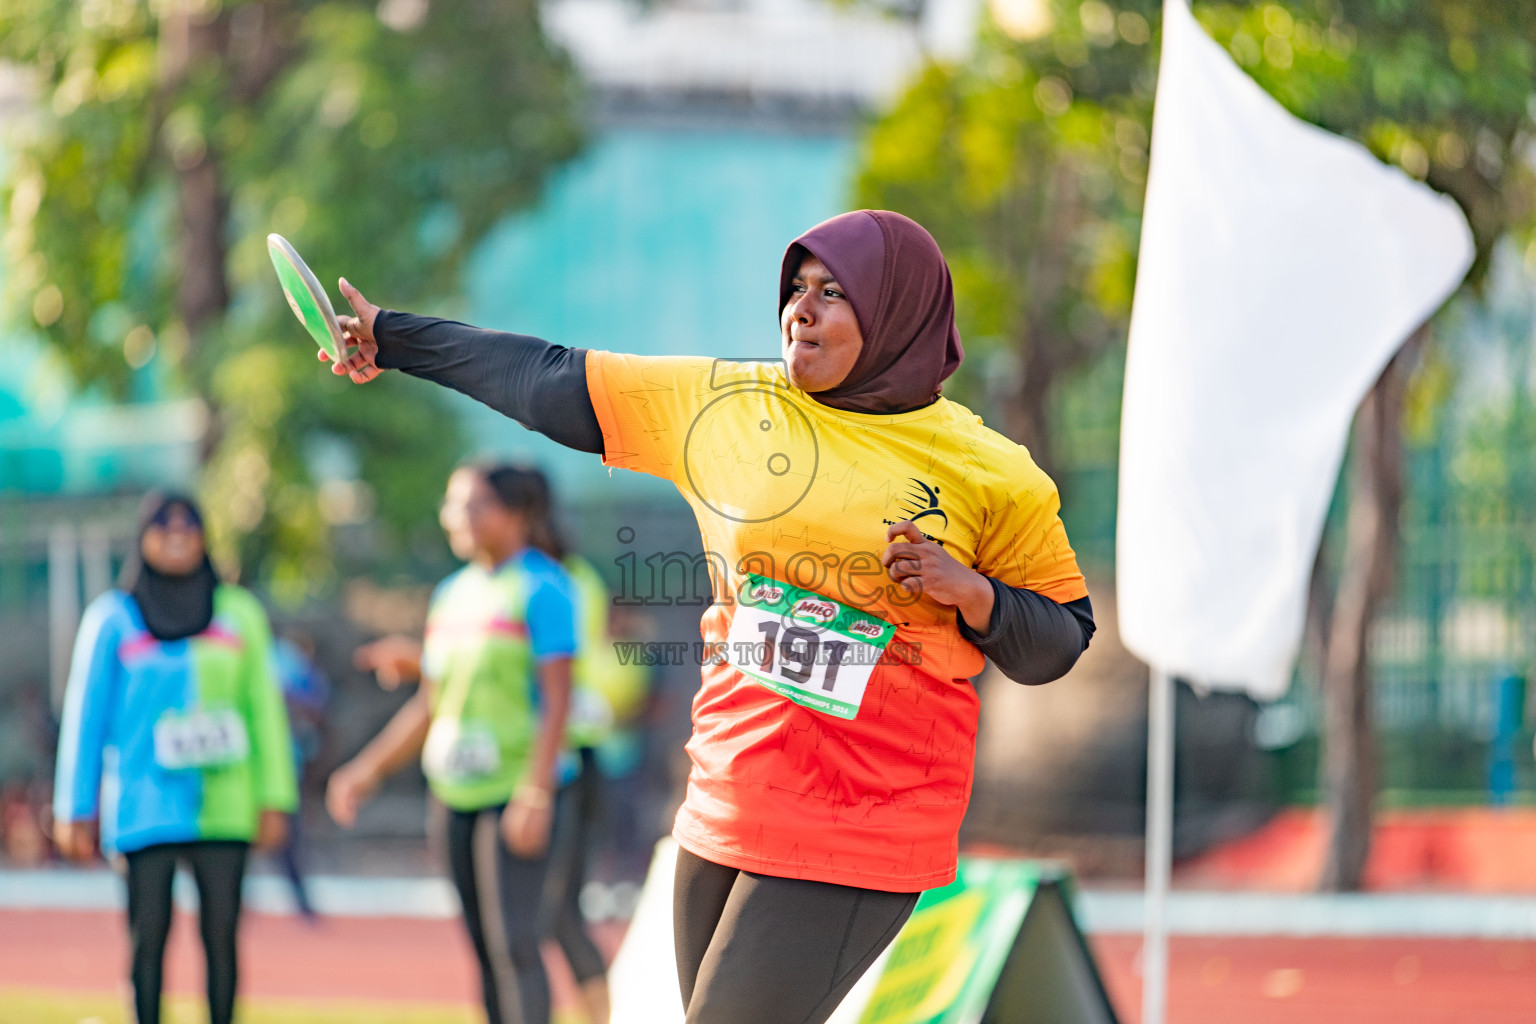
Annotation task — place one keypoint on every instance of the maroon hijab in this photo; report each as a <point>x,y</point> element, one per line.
<point>894,275</point>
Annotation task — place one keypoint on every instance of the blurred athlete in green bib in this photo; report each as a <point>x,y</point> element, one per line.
<point>604,692</point>
<point>489,725</point>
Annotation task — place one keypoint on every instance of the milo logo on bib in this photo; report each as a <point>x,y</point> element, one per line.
<point>815,610</point>
<point>805,646</point>
<point>765,594</point>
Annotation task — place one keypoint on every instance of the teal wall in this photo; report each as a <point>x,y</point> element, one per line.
<point>28,461</point>
<point>56,441</point>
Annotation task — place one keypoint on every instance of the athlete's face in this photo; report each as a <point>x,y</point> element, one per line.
<point>173,544</point>
<point>821,335</point>
<point>478,525</point>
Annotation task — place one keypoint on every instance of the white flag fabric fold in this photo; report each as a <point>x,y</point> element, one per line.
<point>1280,268</point>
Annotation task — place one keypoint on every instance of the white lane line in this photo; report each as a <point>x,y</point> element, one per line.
<point>1304,914</point>
<point>336,895</point>
<point>1443,915</point>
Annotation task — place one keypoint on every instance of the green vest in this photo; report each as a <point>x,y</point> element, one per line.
<point>484,713</point>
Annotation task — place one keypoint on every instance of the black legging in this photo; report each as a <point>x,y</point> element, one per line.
<point>218,867</point>
<point>501,894</point>
<point>576,818</point>
<point>757,949</point>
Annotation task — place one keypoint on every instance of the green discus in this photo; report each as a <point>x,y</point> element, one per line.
<point>306,298</point>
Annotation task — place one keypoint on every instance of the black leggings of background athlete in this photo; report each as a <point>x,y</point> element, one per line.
<point>1032,639</point>
<point>757,949</point>
<point>502,896</point>
<point>218,867</point>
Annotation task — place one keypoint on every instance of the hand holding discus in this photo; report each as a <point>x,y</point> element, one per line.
<point>346,341</point>
<point>923,566</point>
<point>357,330</point>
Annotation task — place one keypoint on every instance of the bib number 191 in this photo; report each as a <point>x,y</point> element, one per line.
<point>798,654</point>
<point>815,651</point>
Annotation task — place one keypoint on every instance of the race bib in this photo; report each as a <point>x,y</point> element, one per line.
<point>460,752</point>
<point>816,651</point>
<point>200,739</point>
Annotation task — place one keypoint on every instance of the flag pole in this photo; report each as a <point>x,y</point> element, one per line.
<point>1159,856</point>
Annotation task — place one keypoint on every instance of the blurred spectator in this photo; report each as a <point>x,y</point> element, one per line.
<point>28,734</point>
<point>307,694</point>
<point>174,747</point>
<point>605,696</point>
<point>25,844</point>
<point>488,724</point>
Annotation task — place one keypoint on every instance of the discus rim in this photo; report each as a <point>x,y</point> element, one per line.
<point>327,334</point>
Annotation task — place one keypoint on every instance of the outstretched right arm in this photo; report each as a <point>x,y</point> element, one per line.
<point>540,385</point>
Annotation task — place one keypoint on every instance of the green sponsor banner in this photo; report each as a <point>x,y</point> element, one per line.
<point>997,945</point>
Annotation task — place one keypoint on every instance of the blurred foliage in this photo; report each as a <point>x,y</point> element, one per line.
<point>1028,163</point>
<point>167,138</point>
<point>1472,493</point>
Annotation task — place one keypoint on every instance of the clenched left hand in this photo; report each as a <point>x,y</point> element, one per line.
<point>924,567</point>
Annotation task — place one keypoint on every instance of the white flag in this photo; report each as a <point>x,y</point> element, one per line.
<point>1281,266</point>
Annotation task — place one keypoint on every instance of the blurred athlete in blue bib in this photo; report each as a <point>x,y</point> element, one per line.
<point>174,745</point>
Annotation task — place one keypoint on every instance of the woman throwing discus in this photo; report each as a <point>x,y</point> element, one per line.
<point>869,540</point>
<point>174,745</point>
<point>488,724</point>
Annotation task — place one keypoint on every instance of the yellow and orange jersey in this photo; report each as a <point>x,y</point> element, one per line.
<point>834,733</point>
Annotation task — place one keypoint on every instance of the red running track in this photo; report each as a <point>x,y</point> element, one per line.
<point>1214,981</point>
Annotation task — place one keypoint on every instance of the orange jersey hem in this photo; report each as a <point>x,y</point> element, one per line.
<point>809,872</point>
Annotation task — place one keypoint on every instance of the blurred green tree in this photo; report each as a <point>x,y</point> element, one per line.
<point>1028,164</point>
<point>167,138</point>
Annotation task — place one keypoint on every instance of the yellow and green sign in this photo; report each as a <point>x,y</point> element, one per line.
<point>998,944</point>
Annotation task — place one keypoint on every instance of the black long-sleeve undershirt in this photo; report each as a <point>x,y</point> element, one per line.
<point>540,385</point>
<point>1030,638</point>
